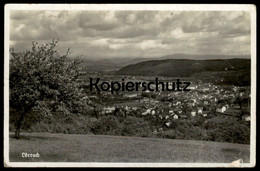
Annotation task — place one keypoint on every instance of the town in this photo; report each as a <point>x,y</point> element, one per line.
<point>204,100</point>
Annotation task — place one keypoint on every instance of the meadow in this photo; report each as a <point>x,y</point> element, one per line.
<point>103,148</point>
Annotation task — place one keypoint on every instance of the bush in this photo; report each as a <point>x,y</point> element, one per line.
<point>66,125</point>
<point>142,127</point>
<point>107,125</point>
<point>134,126</point>
<point>238,133</point>
<point>171,134</point>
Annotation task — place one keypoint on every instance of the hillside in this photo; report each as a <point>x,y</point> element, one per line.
<point>109,64</point>
<point>115,63</point>
<point>232,69</point>
<point>204,57</point>
<point>100,148</point>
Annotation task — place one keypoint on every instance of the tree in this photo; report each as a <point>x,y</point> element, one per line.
<point>41,80</point>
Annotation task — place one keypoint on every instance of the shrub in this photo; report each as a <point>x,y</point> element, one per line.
<point>171,134</point>
<point>134,126</point>
<point>107,125</point>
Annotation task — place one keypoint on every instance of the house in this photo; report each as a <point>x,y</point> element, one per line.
<point>175,116</point>
<point>206,103</point>
<point>192,87</point>
<point>144,113</point>
<point>193,113</point>
<point>178,103</point>
<point>178,110</point>
<point>130,95</point>
<point>200,111</point>
<point>134,108</point>
<point>168,124</point>
<point>205,89</point>
<point>235,89</point>
<point>172,114</point>
<point>194,100</point>
<point>222,109</point>
<point>108,109</point>
<point>148,110</point>
<point>246,118</point>
<point>154,101</point>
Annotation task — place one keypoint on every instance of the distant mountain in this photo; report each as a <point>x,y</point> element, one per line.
<point>102,64</point>
<point>231,69</point>
<point>183,67</point>
<point>203,57</point>
<point>109,64</point>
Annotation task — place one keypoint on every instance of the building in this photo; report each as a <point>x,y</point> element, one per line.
<point>130,95</point>
<point>222,109</point>
<point>193,113</point>
<point>108,109</point>
<point>175,117</point>
<point>168,124</point>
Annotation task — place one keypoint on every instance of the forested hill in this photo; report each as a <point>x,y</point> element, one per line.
<point>235,69</point>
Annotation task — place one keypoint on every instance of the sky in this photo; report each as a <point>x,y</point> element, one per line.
<point>107,34</point>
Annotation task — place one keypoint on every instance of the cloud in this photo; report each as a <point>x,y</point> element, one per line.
<point>101,21</point>
<point>134,33</point>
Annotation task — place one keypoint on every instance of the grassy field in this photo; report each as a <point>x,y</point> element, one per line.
<point>99,148</point>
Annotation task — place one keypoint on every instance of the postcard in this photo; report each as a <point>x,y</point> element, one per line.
<point>130,85</point>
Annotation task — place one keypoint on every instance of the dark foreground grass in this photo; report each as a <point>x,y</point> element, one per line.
<point>99,148</point>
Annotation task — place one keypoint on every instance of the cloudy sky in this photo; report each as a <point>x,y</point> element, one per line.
<point>134,33</point>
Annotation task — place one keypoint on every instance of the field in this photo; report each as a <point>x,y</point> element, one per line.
<point>100,148</point>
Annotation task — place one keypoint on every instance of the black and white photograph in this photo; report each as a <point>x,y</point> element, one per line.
<point>133,85</point>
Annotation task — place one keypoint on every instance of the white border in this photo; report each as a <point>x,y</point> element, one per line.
<point>175,7</point>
